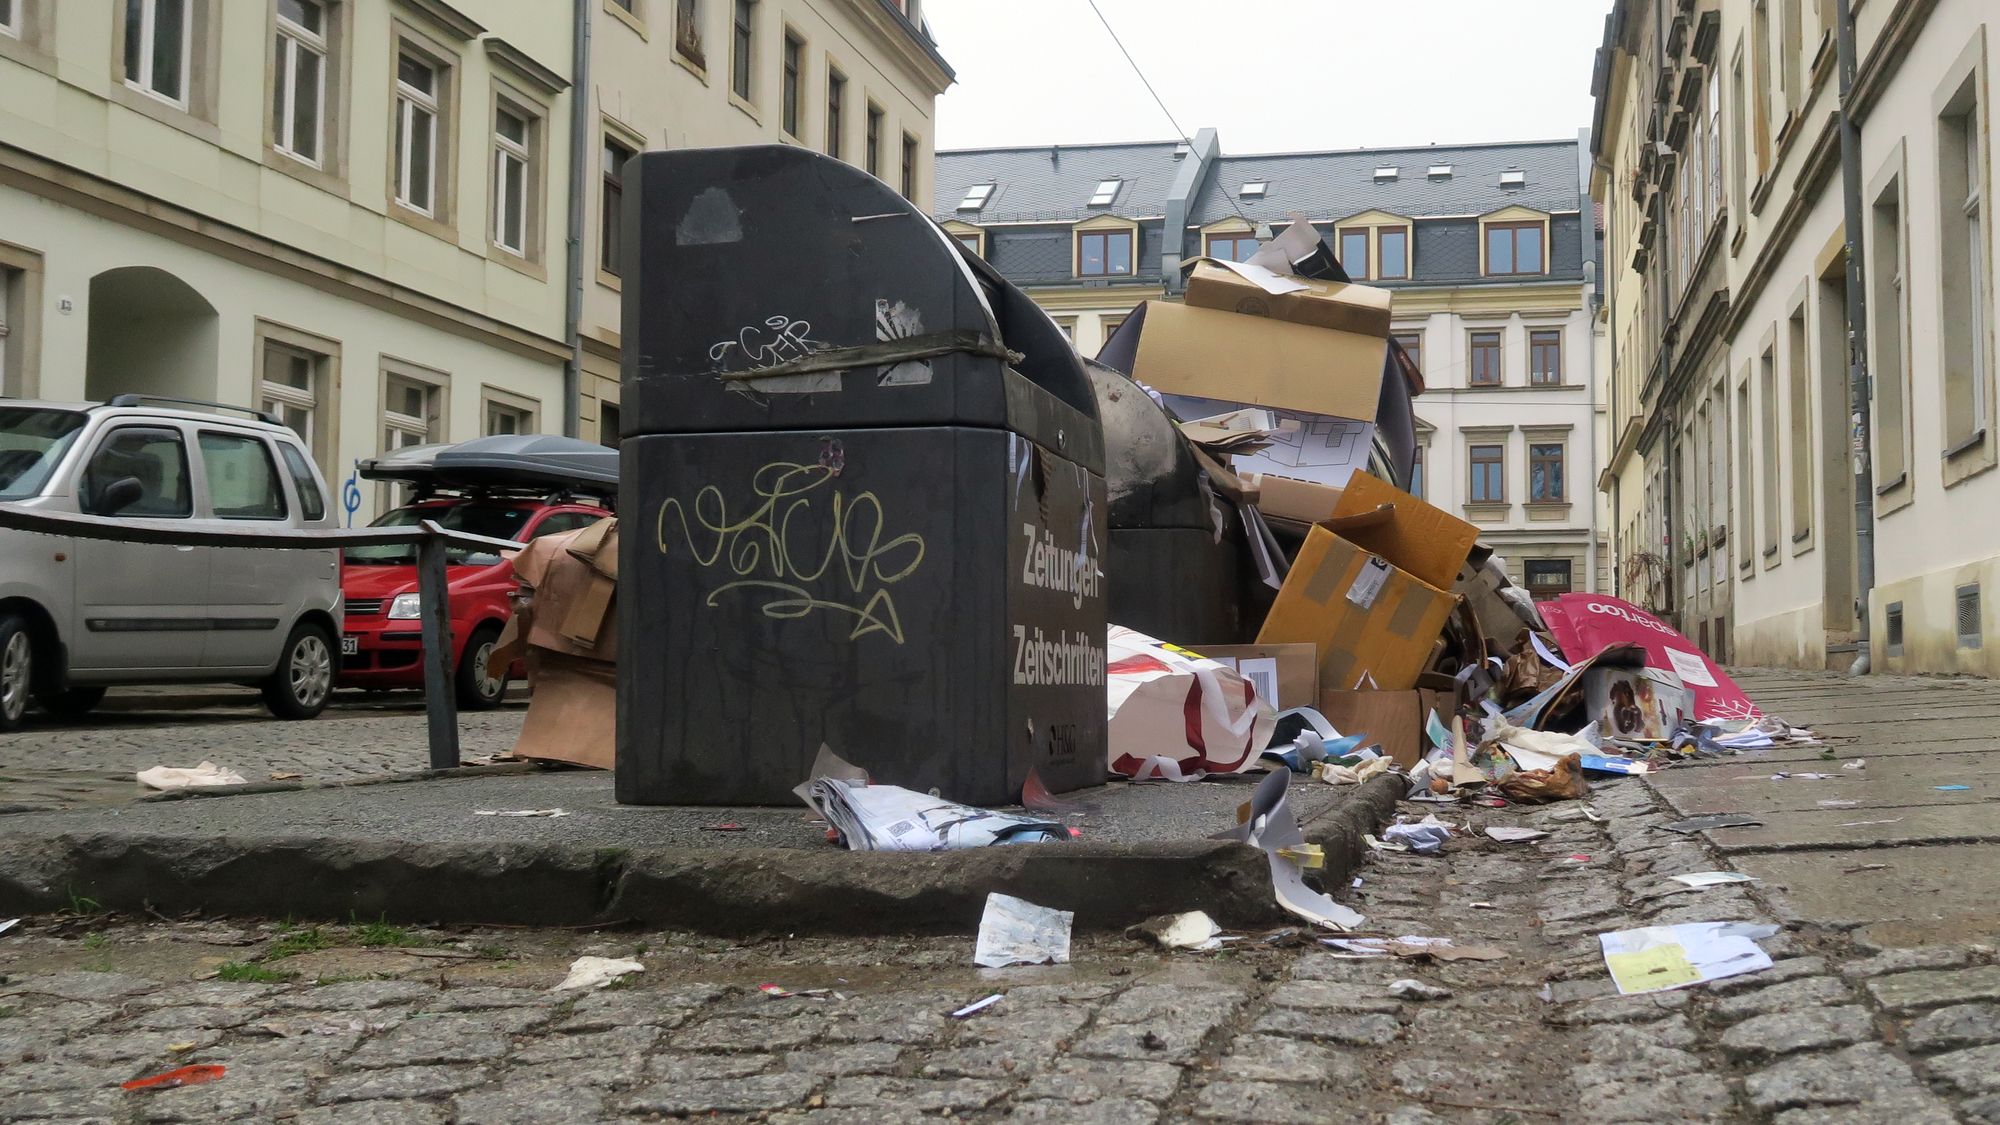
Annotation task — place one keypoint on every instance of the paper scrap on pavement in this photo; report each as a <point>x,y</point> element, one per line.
<point>1699,879</point>
<point>1719,820</point>
<point>9,924</point>
<point>1267,822</point>
<point>976,1006</point>
<point>1839,804</point>
<point>1194,930</point>
<point>182,777</point>
<point>519,812</point>
<point>890,818</point>
<point>1657,958</point>
<point>1507,834</point>
<point>1014,931</point>
<point>596,972</point>
<point>1410,945</point>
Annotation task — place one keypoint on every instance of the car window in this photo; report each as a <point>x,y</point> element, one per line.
<point>242,479</point>
<point>565,521</point>
<point>312,505</point>
<point>32,444</point>
<point>474,518</point>
<point>156,457</point>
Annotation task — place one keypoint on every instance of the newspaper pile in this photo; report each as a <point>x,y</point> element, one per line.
<point>889,818</point>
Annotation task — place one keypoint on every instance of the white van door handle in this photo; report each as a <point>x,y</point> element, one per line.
<point>182,548</point>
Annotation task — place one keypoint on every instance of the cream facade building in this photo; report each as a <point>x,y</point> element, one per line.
<point>354,213</point>
<point>1733,445</point>
<point>1487,248</point>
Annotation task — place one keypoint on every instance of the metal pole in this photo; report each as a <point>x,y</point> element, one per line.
<point>580,134</point>
<point>440,699</point>
<point>1857,341</point>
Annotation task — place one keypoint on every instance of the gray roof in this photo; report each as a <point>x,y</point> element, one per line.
<point>1333,185</point>
<point>1054,183</point>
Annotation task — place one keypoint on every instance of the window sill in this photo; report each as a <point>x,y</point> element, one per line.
<point>1534,386</point>
<point>700,72</point>
<point>1802,536</point>
<point>629,19</point>
<point>27,53</point>
<point>1969,458</point>
<point>1482,387</point>
<point>1488,509</point>
<point>1718,536</point>
<point>1891,486</point>
<point>531,267</point>
<point>1761,193</point>
<point>332,183</point>
<point>1736,241</point>
<point>610,280</point>
<point>438,228</point>
<point>747,109</point>
<point>166,113</point>
<point>1971,443</point>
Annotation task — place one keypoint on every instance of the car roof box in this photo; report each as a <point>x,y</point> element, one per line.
<point>541,463</point>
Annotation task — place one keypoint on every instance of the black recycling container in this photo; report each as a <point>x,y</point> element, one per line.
<point>863,484</point>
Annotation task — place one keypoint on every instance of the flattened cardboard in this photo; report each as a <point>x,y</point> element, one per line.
<point>1300,501</point>
<point>1296,667</point>
<point>1643,704</point>
<point>1429,543</point>
<point>1393,720</point>
<point>1362,310</point>
<point>572,597</point>
<point>573,716</point>
<point>1211,354</point>
<point>1374,624</point>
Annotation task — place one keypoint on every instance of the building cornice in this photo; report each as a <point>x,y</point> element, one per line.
<point>448,18</point>
<point>1821,161</point>
<point>513,59</point>
<point>893,30</point>
<point>1899,33</point>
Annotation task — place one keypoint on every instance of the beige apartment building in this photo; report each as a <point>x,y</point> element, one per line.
<point>1731,444</point>
<point>355,213</point>
<point>856,79</point>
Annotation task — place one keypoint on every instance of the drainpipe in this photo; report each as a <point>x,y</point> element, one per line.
<point>1591,268</point>
<point>1610,283</point>
<point>579,157</point>
<point>1857,340</point>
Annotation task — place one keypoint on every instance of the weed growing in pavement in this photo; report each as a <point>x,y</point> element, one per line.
<point>296,942</point>
<point>96,939</point>
<point>239,972</point>
<point>7,1012</point>
<point>491,952</point>
<point>83,904</point>
<point>381,933</point>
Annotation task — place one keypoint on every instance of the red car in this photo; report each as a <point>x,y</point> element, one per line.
<point>503,496</point>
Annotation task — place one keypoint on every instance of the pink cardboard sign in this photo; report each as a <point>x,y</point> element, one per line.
<point>1584,624</point>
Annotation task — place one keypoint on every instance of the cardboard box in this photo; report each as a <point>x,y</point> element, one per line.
<point>1361,310</point>
<point>1300,501</point>
<point>1286,676</point>
<point>570,637</point>
<point>1393,720</point>
<point>1224,355</point>
<point>1645,704</point>
<point>1373,624</point>
<point>573,716</point>
<point>1427,542</point>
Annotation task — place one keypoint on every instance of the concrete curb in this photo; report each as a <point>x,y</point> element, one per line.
<point>726,892</point>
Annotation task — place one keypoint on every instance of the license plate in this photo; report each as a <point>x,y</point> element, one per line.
<point>349,646</point>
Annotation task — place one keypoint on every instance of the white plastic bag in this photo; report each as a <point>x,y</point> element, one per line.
<point>1178,715</point>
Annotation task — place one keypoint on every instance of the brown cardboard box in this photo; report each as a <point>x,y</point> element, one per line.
<point>573,716</point>
<point>1427,542</point>
<point>1294,669</point>
<point>572,593</point>
<point>1336,306</point>
<point>1374,624</point>
<point>1393,720</point>
<point>1185,350</point>
<point>570,635</point>
<point>1299,501</point>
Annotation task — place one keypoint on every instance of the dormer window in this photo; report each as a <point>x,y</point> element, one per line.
<point>1440,172</point>
<point>1385,173</point>
<point>976,197</point>
<point>1255,189</point>
<point>1107,190</point>
<point>1513,179</point>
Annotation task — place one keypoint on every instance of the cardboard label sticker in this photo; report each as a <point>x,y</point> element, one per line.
<point>1368,584</point>
<point>1262,672</point>
<point>1690,667</point>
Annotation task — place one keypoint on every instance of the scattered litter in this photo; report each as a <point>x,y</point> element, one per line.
<point>183,1048</point>
<point>181,777</point>
<point>1309,857</point>
<point>889,818</point>
<point>732,826</point>
<point>1410,946</point>
<point>1410,989</point>
<point>1508,834</point>
<point>1782,776</point>
<point>520,812</point>
<point>1266,821</point>
<point>1484,906</point>
<point>1719,820</point>
<point>1562,782</point>
<point>1657,958</point>
<point>587,973</point>
<point>9,924</point>
<point>976,1006</point>
<point>1951,788</point>
<point>283,776</point>
<point>1856,764</point>
<point>1015,931</point>
<point>1866,823</point>
<point>1579,857</point>
<point>780,992</point>
<point>1865,867</point>
<point>1193,930</point>
<point>1173,708</point>
<point>1700,879</point>
<point>1357,882</point>
<point>179,1076</point>
<point>1423,839</point>
<point>1377,844</point>
<point>1838,804</point>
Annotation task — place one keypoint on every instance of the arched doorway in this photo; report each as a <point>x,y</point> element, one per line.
<point>150,333</point>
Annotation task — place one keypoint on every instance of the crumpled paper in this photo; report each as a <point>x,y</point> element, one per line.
<point>586,973</point>
<point>1014,931</point>
<point>182,777</point>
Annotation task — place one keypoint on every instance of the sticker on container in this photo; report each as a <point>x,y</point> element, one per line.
<point>1368,584</point>
<point>1690,667</point>
<point>1262,672</point>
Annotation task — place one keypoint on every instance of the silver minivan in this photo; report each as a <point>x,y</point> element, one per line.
<point>79,615</point>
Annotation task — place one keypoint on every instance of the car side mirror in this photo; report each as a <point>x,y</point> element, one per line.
<point>117,496</point>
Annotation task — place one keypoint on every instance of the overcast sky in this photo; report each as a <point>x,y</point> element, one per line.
<point>1271,75</point>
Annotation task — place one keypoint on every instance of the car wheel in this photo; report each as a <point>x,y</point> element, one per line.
<point>70,703</point>
<point>17,670</point>
<point>304,680</point>
<point>480,686</point>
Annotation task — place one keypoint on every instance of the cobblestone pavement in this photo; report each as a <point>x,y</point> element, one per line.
<point>461,1027</point>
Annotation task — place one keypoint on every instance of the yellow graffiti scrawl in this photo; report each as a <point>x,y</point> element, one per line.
<point>851,570</point>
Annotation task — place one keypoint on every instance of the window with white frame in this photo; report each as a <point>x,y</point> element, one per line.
<point>158,42</point>
<point>1963,261</point>
<point>290,388</point>
<point>419,89</point>
<point>506,418</point>
<point>410,413</point>
<point>298,96</point>
<point>512,184</point>
<point>10,18</point>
